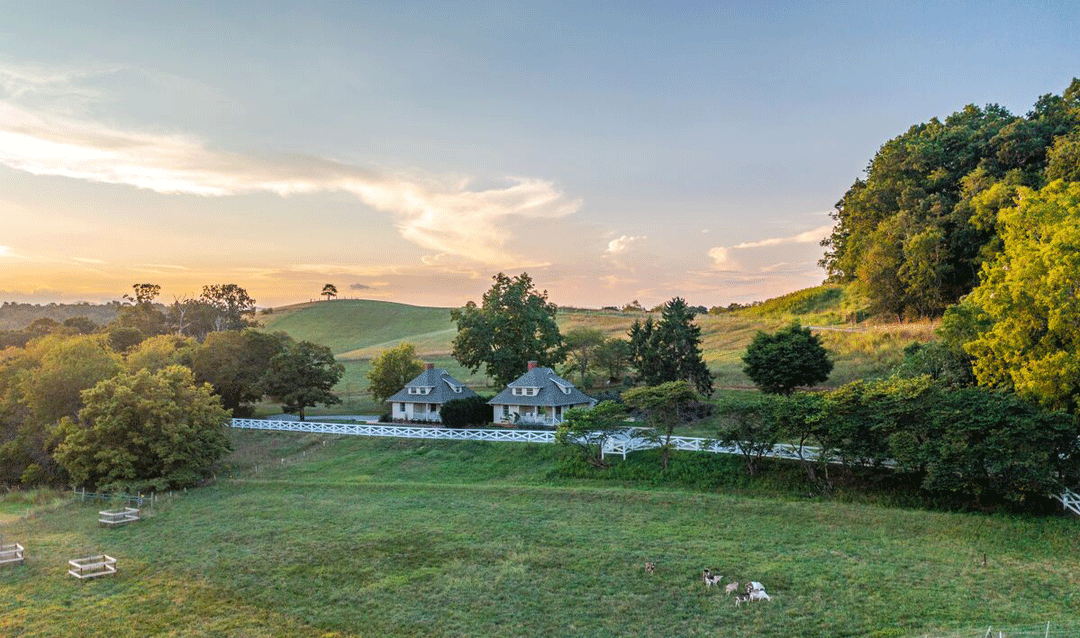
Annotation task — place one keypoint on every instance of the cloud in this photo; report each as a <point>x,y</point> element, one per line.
<point>359,286</point>
<point>809,237</point>
<point>624,243</point>
<point>722,260</point>
<point>439,213</point>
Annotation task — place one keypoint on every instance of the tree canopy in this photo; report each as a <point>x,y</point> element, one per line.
<point>144,429</point>
<point>392,369</point>
<point>514,324</point>
<point>915,231</point>
<point>303,375</point>
<point>670,349</point>
<point>1030,299</point>
<point>665,406</point>
<point>790,358</point>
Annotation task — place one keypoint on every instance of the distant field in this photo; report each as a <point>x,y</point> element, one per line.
<point>376,537</point>
<point>358,330</point>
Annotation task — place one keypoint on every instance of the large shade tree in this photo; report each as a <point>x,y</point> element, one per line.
<point>303,375</point>
<point>513,325</point>
<point>157,430</point>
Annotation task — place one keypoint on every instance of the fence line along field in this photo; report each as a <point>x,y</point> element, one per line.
<point>390,537</point>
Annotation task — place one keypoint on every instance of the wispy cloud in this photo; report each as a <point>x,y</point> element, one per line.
<point>809,237</point>
<point>445,215</point>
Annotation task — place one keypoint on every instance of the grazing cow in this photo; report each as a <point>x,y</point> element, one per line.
<point>731,587</point>
<point>710,578</point>
<point>650,567</point>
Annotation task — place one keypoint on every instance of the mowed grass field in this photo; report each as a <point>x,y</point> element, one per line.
<point>378,537</point>
<point>357,331</point>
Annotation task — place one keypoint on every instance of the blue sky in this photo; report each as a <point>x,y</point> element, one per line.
<point>409,151</point>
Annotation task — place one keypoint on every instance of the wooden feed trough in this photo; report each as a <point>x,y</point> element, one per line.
<point>119,517</point>
<point>92,566</point>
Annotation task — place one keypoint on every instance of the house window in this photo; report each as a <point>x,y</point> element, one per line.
<point>517,391</point>
<point>402,406</point>
<point>506,410</point>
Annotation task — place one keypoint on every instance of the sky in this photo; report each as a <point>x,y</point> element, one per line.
<point>408,152</point>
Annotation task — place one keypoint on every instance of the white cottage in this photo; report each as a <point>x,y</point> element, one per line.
<point>423,397</point>
<point>538,397</point>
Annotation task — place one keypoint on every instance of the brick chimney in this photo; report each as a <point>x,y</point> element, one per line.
<point>532,364</point>
<point>429,366</point>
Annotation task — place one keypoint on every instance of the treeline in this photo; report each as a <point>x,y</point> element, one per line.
<point>916,232</point>
<point>15,316</point>
<point>141,403</point>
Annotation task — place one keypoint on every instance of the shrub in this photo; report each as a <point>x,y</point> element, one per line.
<point>461,413</point>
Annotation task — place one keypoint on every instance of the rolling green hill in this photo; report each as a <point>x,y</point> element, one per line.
<point>358,330</point>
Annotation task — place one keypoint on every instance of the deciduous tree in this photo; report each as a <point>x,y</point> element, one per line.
<point>514,324</point>
<point>581,348</point>
<point>392,369</point>
<point>303,375</point>
<point>329,291</point>
<point>1030,295</point>
<point>587,430</point>
<point>665,406</point>
<point>234,364</point>
<point>790,358</point>
<point>234,308</point>
<point>141,430</point>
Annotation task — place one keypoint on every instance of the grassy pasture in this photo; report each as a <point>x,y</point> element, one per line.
<point>376,537</point>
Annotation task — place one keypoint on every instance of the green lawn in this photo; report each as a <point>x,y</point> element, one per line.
<point>376,537</point>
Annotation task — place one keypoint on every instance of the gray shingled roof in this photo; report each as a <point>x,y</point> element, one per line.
<point>550,393</point>
<point>442,385</point>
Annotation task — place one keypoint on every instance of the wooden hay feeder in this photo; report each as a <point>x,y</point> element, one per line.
<point>119,517</point>
<point>11,553</point>
<point>92,566</point>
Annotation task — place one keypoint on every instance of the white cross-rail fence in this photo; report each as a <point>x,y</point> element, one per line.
<point>621,443</point>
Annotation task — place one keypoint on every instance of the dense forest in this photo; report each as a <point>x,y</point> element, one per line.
<point>916,231</point>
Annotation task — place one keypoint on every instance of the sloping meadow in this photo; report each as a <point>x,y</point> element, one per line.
<point>363,537</point>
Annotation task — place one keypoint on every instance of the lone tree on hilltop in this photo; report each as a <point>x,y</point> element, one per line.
<point>329,291</point>
<point>793,357</point>
<point>514,325</point>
